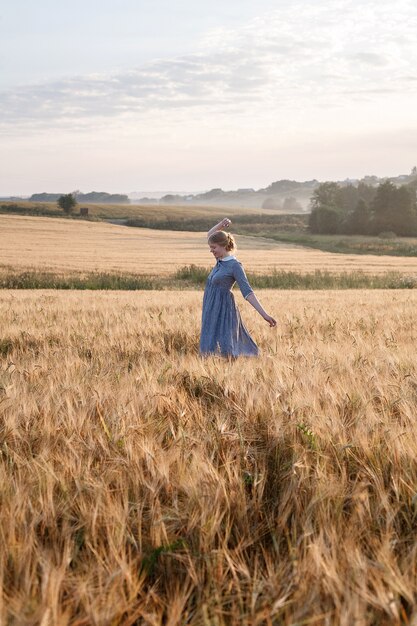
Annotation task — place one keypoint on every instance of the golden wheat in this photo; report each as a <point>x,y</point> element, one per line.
<point>140,484</point>
<point>63,245</point>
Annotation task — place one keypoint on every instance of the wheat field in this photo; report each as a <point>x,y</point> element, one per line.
<point>62,246</point>
<point>142,485</point>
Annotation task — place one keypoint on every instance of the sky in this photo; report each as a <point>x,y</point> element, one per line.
<point>189,95</point>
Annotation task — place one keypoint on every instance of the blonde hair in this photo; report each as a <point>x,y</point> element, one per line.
<point>223,239</point>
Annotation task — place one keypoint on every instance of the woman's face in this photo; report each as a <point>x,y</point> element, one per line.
<point>217,250</point>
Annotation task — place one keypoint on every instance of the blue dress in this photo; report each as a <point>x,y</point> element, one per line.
<point>222,330</point>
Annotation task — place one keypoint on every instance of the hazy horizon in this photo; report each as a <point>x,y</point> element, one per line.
<point>155,194</point>
<point>181,95</point>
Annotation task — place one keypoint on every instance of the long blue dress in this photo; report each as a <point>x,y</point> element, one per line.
<point>222,330</point>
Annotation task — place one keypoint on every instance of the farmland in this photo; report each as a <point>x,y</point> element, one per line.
<point>62,245</point>
<point>143,485</point>
<point>127,211</point>
<point>291,228</point>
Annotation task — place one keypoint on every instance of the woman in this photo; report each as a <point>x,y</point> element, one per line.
<point>223,332</point>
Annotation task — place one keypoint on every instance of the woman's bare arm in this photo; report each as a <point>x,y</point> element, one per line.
<point>225,223</point>
<point>257,305</point>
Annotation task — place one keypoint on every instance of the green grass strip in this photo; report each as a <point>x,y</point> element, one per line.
<point>315,280</point>
<point>192,276</point>
<point>48,280</point>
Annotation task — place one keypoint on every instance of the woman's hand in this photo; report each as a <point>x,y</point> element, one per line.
<point>270,320</point>
<point>225,223</point>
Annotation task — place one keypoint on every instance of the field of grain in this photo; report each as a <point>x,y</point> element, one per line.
<point>62,245</point>
<point>140,484</point>
<point>149,211</point>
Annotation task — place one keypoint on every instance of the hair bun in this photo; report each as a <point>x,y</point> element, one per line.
<point>230,242</point>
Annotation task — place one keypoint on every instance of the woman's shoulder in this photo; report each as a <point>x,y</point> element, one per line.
<point>231,263</point>
<point>235,265</point>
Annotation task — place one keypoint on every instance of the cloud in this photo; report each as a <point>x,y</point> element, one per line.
<point>301,55</point>
<point>370,58</point>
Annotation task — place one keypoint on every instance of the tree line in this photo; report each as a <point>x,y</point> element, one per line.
<point>364,209</point>
<point>99,197</point>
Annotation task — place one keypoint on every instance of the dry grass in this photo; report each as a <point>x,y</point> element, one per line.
<point>63,245</point>
<point>142,485</point>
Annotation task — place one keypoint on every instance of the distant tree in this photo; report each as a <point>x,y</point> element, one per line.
<point>102,196</point>
<point>172,198</point>
<point>325,219</point>
<point>347,198</point>
<point>67,202</point>
<point>213,193</point>
<point>272,204</point>
<point>291,205</point>
<point>44,197</point>
<point>359,221</point>
<point>285,186</point>
<point>412,186</point>
<point>383,219</point>
<point>325,195</point>
<point>366,192</point>
<point>394,209</point>
<point>405,212</point>
<point>325,216</point>
<point>414,171</point>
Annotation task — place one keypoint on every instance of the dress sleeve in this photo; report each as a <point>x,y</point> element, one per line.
<point>241,279</point>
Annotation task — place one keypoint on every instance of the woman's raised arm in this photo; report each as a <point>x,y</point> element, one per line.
<point>225,223</point>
